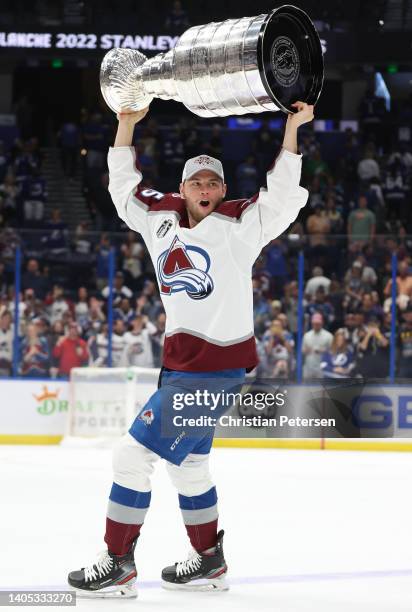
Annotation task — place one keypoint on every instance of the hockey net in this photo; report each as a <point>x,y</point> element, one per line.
<point>103,403</point>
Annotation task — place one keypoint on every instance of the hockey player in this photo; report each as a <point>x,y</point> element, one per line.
<point>203,249</point>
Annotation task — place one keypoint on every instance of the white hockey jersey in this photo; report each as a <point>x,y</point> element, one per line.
<point>99,350</point>
<point>204,272</point>
<point>138,348</point>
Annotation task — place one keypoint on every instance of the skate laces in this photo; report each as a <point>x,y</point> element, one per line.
<point>99,569</point>
<point>191,564</point>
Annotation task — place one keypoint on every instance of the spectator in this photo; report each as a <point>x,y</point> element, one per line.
<point>338,362</point>
<point>276,265</point>
<point>102,261</point>
<point>34,279</point>
<point>118,342</point>
<point>120,290</point>
<point>24,163</point>
<point>9,197</point>
<point>368,167</point>
<point>137,343</point>
<point>247,178</point>
<point>371,309</point>
<point>94,143</point>
<point>395,191</point>
<point>372,112</point>
<point>148,154</point>
<point>261,309</point>
<point>57,304</point>
<point>6,343</point>
<point>262,277</point>
<point>124,312</point>
<point>318,226</point>
<point>336,299</point>
<point>405,344</point>
<point>56,238</point>
<point>69,141</point>
<point>372,354</point>
<point>368,273</point>
<point>34,194</point>
<point>315,166</point>
<point>158,339</point>
<point>81,308</point>
<point>290,304</point>
<point>354,286</point>
<point>177,21</point>
<point>56,332</point>
<point>333,215</point>
<point>361,223</point>
<point>315,193</point>
<point>95,319</point>
<point>403,284</point>
<point>315,342</point>
<point>317,280</point>
<point>82,244</point>
<point>133,255</point>
<point>35,354</point>
<point>278,351</point>
<point>142,305</point>
<point>71,351</point>
<point>151,291</point>
<point>98,344</point>
<point>319,304</point>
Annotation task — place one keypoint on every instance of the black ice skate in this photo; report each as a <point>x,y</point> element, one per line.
<point>204,571</point>
<point>111,576</point>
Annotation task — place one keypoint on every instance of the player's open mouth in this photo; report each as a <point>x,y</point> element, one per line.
<point>204,203</point>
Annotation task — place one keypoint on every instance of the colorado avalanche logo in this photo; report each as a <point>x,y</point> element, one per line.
<point>177,271</point>
<point>147,416</point>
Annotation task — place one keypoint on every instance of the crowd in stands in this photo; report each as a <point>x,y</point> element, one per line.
<point>357,218</point>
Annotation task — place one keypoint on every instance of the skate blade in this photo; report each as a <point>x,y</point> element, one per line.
<point>114,592</point>
<point>204,584</point>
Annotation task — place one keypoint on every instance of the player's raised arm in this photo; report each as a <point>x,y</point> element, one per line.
<point>280,203</point>
<point>270,212</point>
<point>303,115</point>
<point>124,172</point>
<point>125,128</point>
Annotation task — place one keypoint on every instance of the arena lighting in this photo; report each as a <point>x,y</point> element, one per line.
<point>381,22</point>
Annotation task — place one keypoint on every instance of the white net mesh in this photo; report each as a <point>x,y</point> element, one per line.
<point>104,402</point>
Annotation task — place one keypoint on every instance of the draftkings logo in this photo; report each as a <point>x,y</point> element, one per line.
<point>48,402</point>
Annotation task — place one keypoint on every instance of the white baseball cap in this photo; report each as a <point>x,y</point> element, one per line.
<point>202,162</point>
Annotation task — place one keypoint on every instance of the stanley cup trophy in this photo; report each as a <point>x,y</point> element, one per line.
<point>237,66</point>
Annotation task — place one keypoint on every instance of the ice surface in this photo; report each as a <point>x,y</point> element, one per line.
<point>305,530</point>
